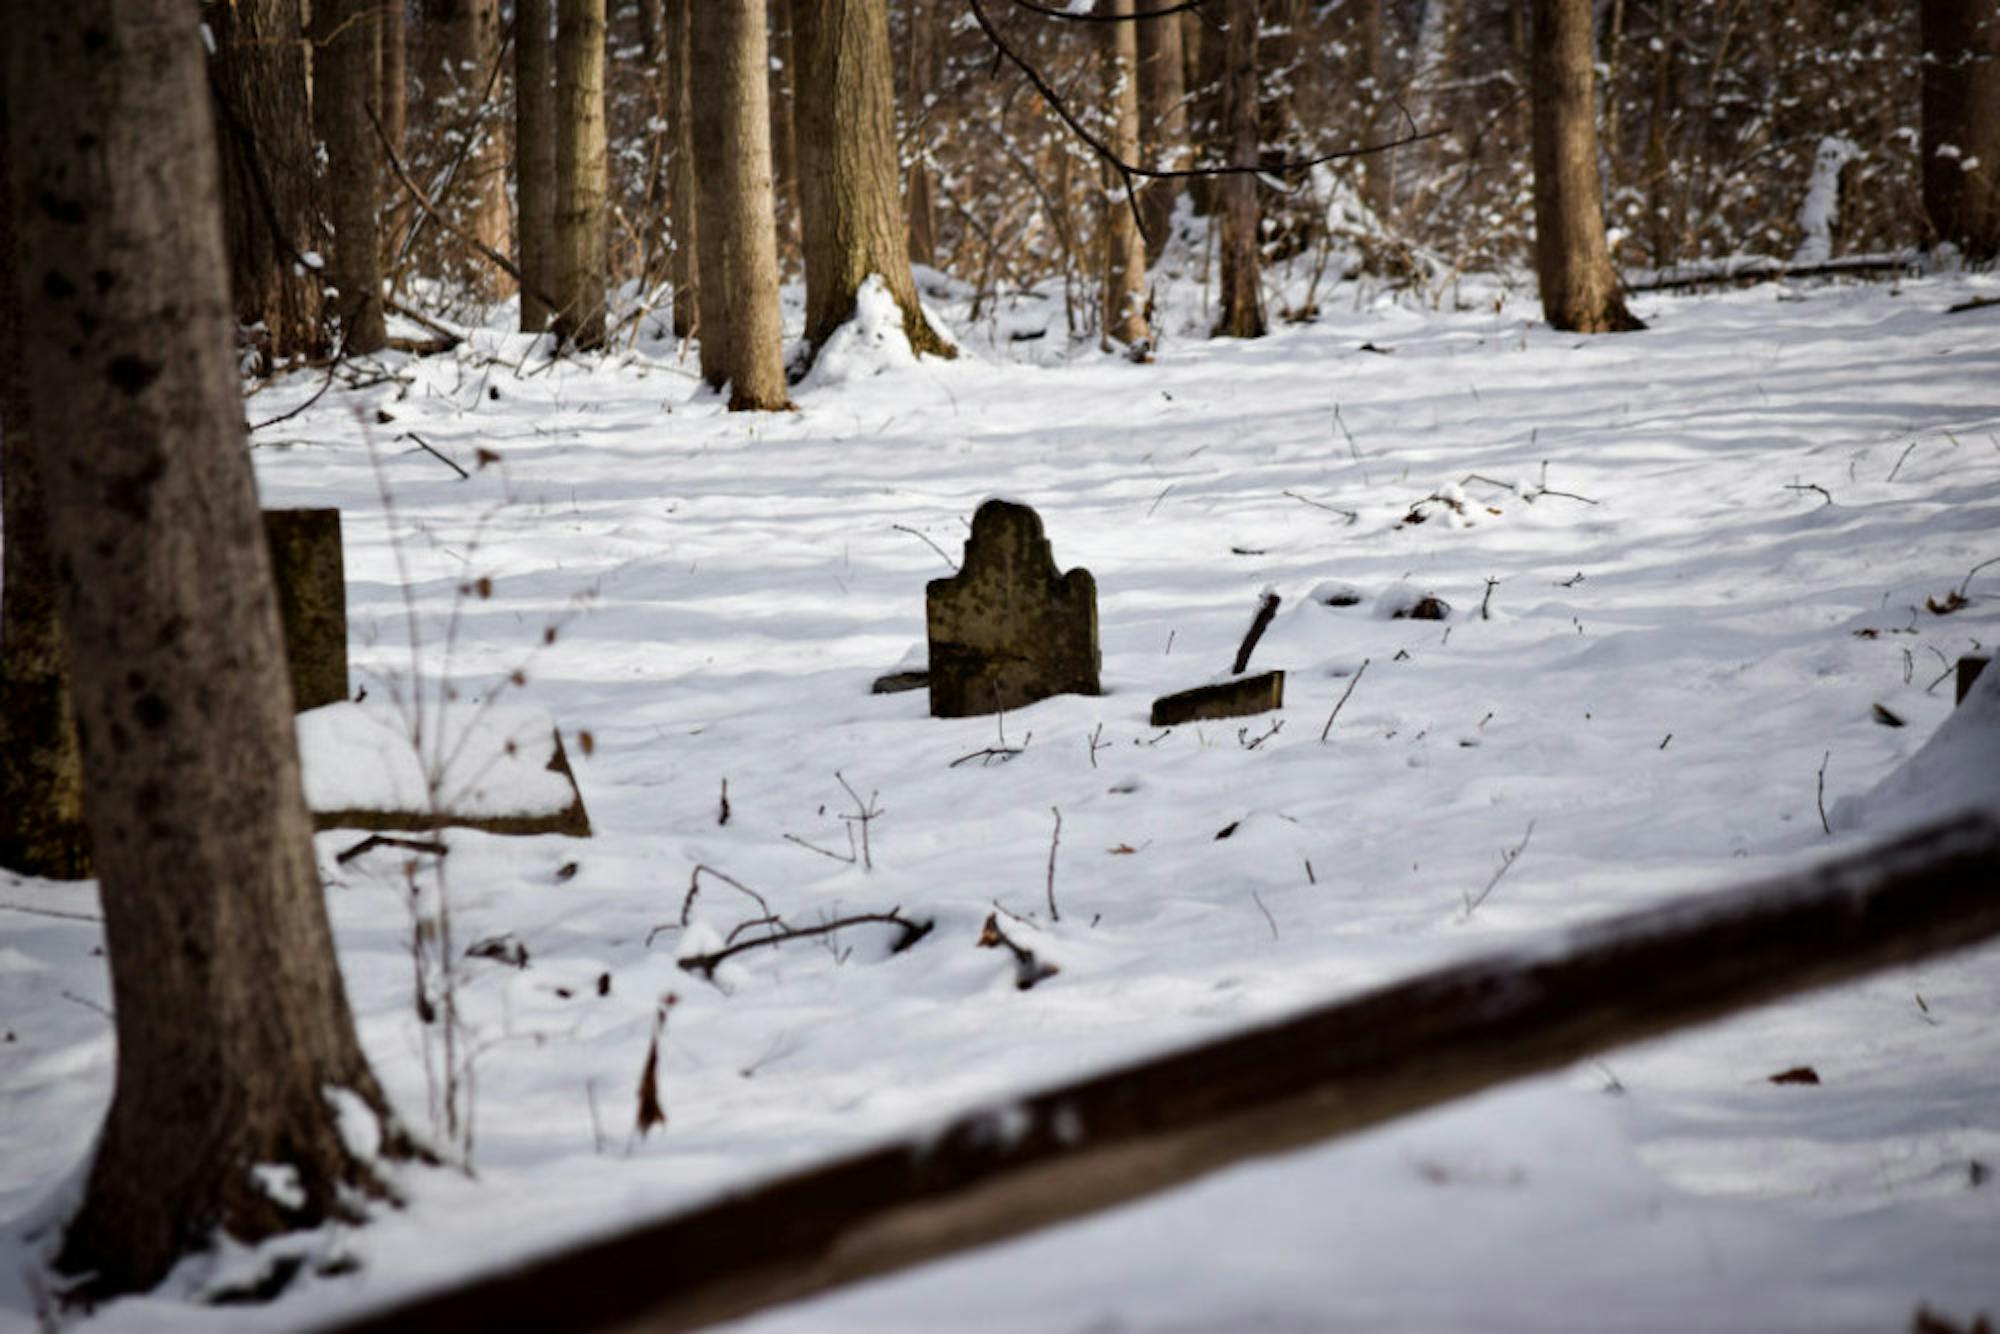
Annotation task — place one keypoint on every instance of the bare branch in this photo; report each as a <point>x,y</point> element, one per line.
<point>706,964</point>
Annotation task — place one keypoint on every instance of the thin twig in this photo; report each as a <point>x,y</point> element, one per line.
<point>424,445</point>
<point>1486,602</point>
<point>86,1003</point>
<point>1810,486</point>
<point>1258,900</point>
<point>51,912</point>
<point>1507,860</point>
<point>1821,797</point>
<point>435,847</point>
<point>905,528</point>
<point>1902,458</point>
<point>850,859</point>
<point>1352,516</point>
<point>1267,608</point>
<point>1966,582</point>
<point>1054,839</point>
<point>706,964</point>
<point>1353,681</point>
<point>694,888</point>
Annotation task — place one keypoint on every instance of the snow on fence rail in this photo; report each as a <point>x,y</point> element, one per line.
<point>1338,1068</point>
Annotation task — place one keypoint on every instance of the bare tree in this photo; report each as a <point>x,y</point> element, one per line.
<point>393,72</point>
<point>577,266</point>
<point>534,156</point>
<point>920,78</point>
<point>460,73</point>
<point>1242,313</point>
<point>1125,315</point>
<point>1961,120</point>
<point>737,230</point>
<point>1163,116</point>
<point>271,200</point>
<point>41,769</point>
<point>344,93</point>
<point>237,1059</point>
<point>853,214</point>
<point>1580,289</point>
<point>684,268</point>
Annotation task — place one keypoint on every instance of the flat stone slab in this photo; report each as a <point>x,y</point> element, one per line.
<point>306,566</point>
<point>1009,628</point>
<point>502,770</point>
<point>1231,699</point>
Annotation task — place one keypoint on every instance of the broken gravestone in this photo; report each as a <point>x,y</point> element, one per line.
<point>1238,697</point>
<point>1009,628</point>
<point>312,602</point>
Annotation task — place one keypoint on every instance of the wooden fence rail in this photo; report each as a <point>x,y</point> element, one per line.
<point>1341,1067</point>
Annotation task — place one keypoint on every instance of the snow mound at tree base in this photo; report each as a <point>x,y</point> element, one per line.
<point>1957,769</point>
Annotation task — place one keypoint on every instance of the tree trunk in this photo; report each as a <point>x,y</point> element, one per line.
<point>1580,290</point>
<point>1961,124</point>
<point>684,269</point>
<point>1125,318</point>
<point>1163,117</point>
<point>740,337</point>
<point>578,256</point>
<point>785,111</point>
<point>271,201</point>
<point>920,79</point>
<point>41,769</point>
<point>535,156</point>
<point>461,43</point>
<point>235,1043</point>
<point>847,131</point>
<point>344,50</point>
<point>395,75</point>
<point>1242,314</point>
<point>1203,64</point>
<point>652,30</point>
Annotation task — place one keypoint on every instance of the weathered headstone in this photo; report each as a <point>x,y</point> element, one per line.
<point>312,601</point>
<point>1240,698</point>
<point>1009,628</point>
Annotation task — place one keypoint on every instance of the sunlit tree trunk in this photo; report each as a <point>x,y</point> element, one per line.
<point>270,179</point>
<point>737,232</point>
<point>1580,289</point>
<point>577,260</point>
<point>920,75</point>
<point>853,214</point>
<point>1961,123</point>
<point>684,268</point>
<point>235,1043</point>
<point>344,88</point>
<point>1242,314</point>
<point>1163,117</point>
<point>461,77</point>
<point>1125,318</point>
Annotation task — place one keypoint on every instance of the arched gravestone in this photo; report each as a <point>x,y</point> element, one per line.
<point>1009,628</point>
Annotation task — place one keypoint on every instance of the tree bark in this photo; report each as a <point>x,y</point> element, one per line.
<point>652,16</point>
<point>344,51</point>
<point>271,199</point>
<point>1242,313</point>
<point>581,169</point>
<point>741,336</point>
<point>847,130</point>
<point>1125,318</point>
<point>1580,290</point>
<point>1961,124</point>
<point>1163,116</point>
<point>41,769</point>
<point>535,156</point>
<point>234,1034</point>
<point>920,78</point>
<point>395,73</point>
<point>785,111</point>
<point>461,44</point>
<point>684,268</point>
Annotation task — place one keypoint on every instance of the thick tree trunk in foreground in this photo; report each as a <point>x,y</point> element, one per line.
<point>271,199</point>
<point>41,768</point>
<point>1580,289</point>
<point>1961,118</point>
<point>234,1036</point>
<point>1163,116</point>
<point>578,259</point>
<point>1242,314</point>
<point>684,268</point>
<point>1124,249</point>
<point>535,155</point>
<point>740,335</point>
<point>344,89</point>
<point>847,138</point>
<point>461,46</point>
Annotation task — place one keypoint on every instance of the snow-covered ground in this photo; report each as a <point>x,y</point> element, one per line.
<point>1684,569</point>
